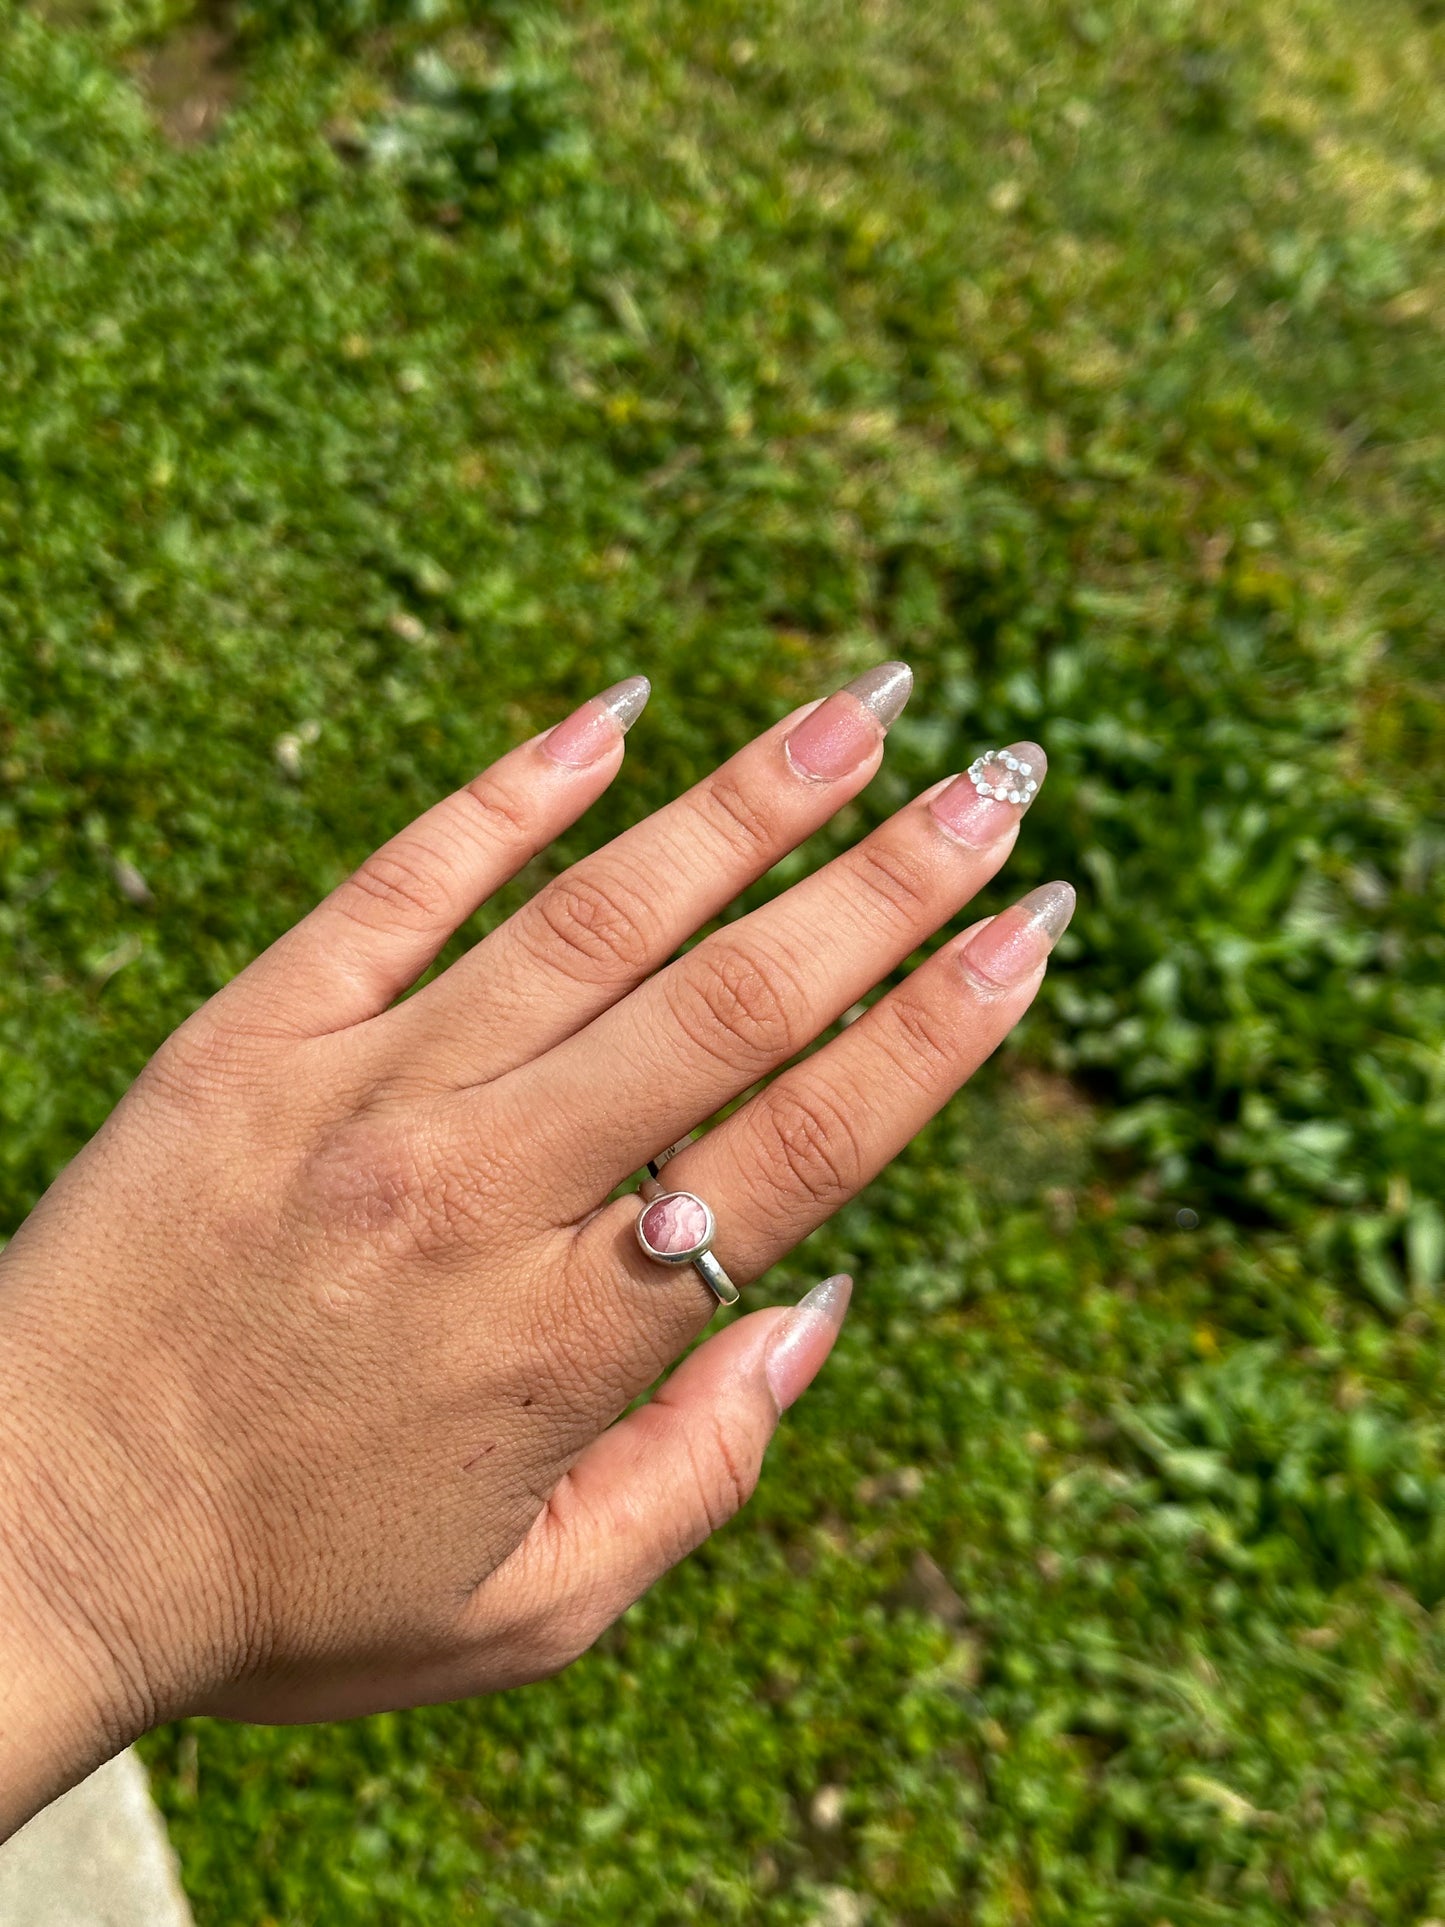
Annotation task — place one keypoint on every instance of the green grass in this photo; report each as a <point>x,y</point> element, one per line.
<point>1089,356</point>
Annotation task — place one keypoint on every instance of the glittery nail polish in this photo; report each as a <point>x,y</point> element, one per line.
<point>1014,944</point>
<point>803,1340</point>
<point>589,732</point>
<point>833,739</point>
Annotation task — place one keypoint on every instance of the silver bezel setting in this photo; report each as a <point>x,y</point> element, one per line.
<point>690,1256</point>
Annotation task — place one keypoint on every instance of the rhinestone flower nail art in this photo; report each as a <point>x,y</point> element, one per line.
<point>1007,779</point>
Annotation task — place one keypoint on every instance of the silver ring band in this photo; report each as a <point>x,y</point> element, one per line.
<point>654,1165</point>
<point>677,1228</point>
<point>721,1286</point>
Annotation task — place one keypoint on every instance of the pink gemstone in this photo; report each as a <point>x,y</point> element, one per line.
<point>676,1223</point>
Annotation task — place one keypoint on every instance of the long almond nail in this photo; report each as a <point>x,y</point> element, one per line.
<point>804,1339</point>
<point>601,723</point>
<point>1014,944</point>
<point>833,739</point>
<point>989,798</point>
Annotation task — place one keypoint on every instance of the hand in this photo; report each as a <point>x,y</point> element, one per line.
<point>310,1362</point>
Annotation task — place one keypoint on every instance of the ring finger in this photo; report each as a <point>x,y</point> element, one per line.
<point>757,992</point>
<point>807,1143</point>
<point>813,1138</point>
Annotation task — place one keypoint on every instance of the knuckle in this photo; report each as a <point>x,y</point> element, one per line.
<point>596,925</point>
<point>382,1181</point>
<point>405,884</point>
<point>748,827</point>
<point>207,1054</point>
<point>808,1146</point>
<point>739,1005</point>
<point>894,882</point>
<point>923,1044</point>
<point>495,811</point>
<point>442,1212</point>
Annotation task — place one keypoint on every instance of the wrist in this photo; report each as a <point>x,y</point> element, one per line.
<point>77,1669</point>
<point>64,1703</point>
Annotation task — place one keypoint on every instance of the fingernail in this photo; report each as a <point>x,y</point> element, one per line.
<point>804,1339</point>
<point>992,794</point>
<point>589,732</point>
<point>832,740</point>
<point>1013,945</point>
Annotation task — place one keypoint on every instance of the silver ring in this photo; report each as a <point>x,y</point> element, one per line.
<point>677,1228</point>
<point>654,1165</point>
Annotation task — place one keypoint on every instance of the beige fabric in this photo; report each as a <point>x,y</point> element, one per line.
<point>99,1857</point>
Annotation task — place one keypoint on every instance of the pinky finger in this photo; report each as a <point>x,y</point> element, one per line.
<point>655,1485</point>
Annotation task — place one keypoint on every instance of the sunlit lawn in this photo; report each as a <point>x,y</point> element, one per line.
<point>371,389</point>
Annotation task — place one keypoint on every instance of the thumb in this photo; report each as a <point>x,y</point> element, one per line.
<point>657,1483</point>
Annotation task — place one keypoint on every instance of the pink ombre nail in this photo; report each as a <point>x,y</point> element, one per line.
<point>599,725</point>
<point>804,1339</point>
<point>833,739</point>
<point>1016,943</point>
<point>989,798</point>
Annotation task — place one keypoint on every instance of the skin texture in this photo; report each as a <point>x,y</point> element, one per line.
<point>311,1364</point>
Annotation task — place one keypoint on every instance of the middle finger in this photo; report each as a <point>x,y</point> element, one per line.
<point>758,991</point>
<point>594,932</point>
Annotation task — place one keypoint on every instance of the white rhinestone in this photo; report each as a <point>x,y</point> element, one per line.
<point>1010,762</point>
<point>1026,769</point>
<point>1029,788</point>
<point>1016,796</point>
<point>985,789</point>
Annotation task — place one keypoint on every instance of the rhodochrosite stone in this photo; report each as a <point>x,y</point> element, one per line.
<point>675,1224</point>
